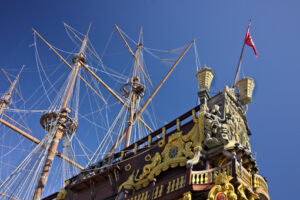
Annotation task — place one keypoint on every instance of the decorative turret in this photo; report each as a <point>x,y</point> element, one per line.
<point>205,77</point>
<point>245,87</point>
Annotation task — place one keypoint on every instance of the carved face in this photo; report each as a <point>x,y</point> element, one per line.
<point>173,152</point>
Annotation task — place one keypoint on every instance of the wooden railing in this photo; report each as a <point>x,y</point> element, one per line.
<point>233,169</point>
<point>259,182</point>
<point>244,174</point>
<point>207,176</point>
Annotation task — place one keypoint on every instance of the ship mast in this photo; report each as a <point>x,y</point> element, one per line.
<point>141,110</point>
<point>61,120</point>
<point>136,91</point>
<point>5,101</point>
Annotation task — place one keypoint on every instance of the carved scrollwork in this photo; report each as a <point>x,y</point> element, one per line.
<point>177,151</point>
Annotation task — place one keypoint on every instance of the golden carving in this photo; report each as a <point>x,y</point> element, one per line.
<point>187,196</point>
<point>237,124</point>
<point>176,152</point>
<point>128,167</point>
<point>148,157</point>
<point>241,193</point>
<point>129,184</point>
<point>62,192</point>
<point>222,185</point>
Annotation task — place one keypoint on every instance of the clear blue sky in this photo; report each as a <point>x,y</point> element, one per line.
<point>219,27</point>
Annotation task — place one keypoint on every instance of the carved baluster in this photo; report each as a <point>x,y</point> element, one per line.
<point>193,178</point>
<point>182,182</point>
<point>142,196</point>
<point>161,190</point>
<point>173,185</point>
<point>206,178</point>
<point>201,179</point>
<point>178,124</point>
<point>177,184</point>
<point>197,178</point>
<point>149,140</point>
<point>170,182</point>
<point>210,177</point>
<point>146,195</point>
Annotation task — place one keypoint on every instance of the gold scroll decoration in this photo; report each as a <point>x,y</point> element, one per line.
<point>179,149</point>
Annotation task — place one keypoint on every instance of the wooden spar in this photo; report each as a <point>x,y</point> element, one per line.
<point>133,96</point>
<point>50,46</point>
<point>102,82</point>
<point>60,131</point>
<point>137,53</point>
<point>150,98</point>
<point>69,160</point>
<point>111,91</point>
<point>23,133</point>
<point>94,90</point>
<point>14,121</point>
<point>163,81</point>
<point>131,52</point>
<point>37,141</point>
<point>7,196</point>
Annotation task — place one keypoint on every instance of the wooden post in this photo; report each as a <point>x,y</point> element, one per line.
<point>240,60</point>
<point>133,96</point>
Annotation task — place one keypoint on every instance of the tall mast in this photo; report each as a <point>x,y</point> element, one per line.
<point>5,101</point>
<point>135,92</point>
<point>64,123</point>
<point>141,110</point>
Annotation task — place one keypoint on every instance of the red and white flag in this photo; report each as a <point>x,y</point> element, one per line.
<point>248,41</point>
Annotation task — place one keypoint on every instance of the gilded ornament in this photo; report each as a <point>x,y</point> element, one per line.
<point>177,151</point>
<point>187,196</point>
<point>128,167</point>
<point>148,157</point>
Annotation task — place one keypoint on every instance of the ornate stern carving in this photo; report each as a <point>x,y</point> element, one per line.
<point>223,189</point>
<point>217,130</point>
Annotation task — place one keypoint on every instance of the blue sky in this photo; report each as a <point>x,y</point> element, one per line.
<point>219,27</point>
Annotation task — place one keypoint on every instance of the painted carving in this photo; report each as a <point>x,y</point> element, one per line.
<point>217,129</point>
<point>222,186</point>
<point>187,196</point>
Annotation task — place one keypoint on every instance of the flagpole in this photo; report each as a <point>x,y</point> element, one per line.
<point>240,60</point>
